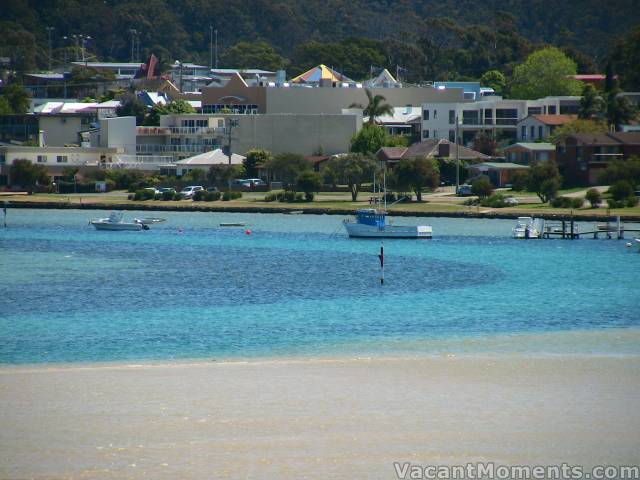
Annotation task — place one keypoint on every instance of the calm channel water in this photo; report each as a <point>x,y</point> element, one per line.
<point>297,286</point>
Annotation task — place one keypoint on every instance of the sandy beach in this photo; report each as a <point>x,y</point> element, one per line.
<point>316,418</point>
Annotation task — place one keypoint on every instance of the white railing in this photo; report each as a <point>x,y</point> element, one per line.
<point>155,148</point>
<point>138,162</point>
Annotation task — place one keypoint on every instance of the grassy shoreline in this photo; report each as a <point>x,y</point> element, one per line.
<point>428,208</point>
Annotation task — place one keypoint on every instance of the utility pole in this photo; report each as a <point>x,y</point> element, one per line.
<point>133,49</point>
<point>49,30</point>
<point>210,46</point>
<point>216,32</point>
<point>232,123</point>
<point>457,156</point>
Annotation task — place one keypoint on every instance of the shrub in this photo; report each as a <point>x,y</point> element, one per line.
<point>632,201</point>
<point>131,196</point>
<point>519,181</point>
<point>594,197</point>
<point>561,202</point>
<point>178,196</point>
<point>621,190</point>
<point>231,196</point>
<point>390,197</point>
<point>482,187</point>
<point>308,196</point>
<point>577,202</point>
<point>212,196</point>
<point>199,196</point>
<point>298,197</point>
<point>168,196</point>
<point>272,197</point>
<point>494,201</point>
<point>144,195</point>
<point>615,203</point>
<point>157,196</point>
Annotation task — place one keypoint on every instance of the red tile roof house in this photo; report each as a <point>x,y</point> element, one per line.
<point>432,148</point>
<point>540,127</point>
<point>583,157</point>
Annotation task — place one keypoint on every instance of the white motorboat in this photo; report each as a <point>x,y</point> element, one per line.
<point>115,222</point>
<point>371,223</point>
<point>527,227</point>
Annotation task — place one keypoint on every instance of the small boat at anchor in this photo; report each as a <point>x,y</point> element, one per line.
<point>115,222</point>
<point>526,227</point>
<point>372,223</point>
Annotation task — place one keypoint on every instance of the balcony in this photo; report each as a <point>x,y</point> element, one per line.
<point>603,157</point>
<point>197,130</point>
<point>148,131</point>
<point>152,149</point>
<point>138,162</point>
<point>140,131</point>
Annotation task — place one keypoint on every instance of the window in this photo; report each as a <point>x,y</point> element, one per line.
<point>452,135</point>
<point>533,132</point>
<point>3,159</point>
<point>540,132</point>
<point>435,134</point>
<point>452,117</point>
<point>42,159</point>
<point>551,109</point>
<point>523,132</point>
<point>202,123</point>
<point>525,157</point>
<point>435,114</point>
<point>470,117</point>
<point>425,134</point>
<point>62,159</point>
<point>534,110</point>
<point>425,115</point>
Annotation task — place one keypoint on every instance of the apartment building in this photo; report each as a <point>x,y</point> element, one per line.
<point>583,157</point>
<point>493,114</point>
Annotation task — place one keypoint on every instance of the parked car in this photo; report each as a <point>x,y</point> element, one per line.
<point>240,182</point>
<point>212,189</point>
<point>167,190</point>
<point>465,190</point>
<point>255,181</point>
<point>153,189</point>
<point>189,191</point>
<point>511,201</point>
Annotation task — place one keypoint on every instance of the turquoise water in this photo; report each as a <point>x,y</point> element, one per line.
<point>298,286</point>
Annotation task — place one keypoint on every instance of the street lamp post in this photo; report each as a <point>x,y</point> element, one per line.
<point>232,123</point>
<point>133,32</point>
<point>210,46</point>
<point>49,30</point>
<point>216,33</point>
<point>457,155</point>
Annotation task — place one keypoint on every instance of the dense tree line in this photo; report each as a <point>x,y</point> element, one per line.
<point>428,39</point>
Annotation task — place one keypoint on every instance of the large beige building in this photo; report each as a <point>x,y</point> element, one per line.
<point>238,97</point>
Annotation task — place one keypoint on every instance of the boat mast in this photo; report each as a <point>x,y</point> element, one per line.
<point>384,174</point>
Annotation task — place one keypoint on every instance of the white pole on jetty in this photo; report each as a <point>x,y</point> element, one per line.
<point>381,257</point>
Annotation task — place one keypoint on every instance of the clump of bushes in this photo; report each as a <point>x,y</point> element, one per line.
<point>226,196</point>
<point>288,196</point>
<point>166,196</point>
<point>567,202</point>
<point>144,195</point>
<point>622,195</point>
<point>594,197</point>
<point>204,196</point>
<point>497,200</point>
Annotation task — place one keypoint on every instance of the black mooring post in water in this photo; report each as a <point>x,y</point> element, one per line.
<point>381,257</point>
<point>4,209</point>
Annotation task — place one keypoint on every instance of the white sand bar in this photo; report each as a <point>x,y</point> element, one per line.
<point>317,419</point>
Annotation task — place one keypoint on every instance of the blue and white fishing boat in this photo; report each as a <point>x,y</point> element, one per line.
<point>372,223</point>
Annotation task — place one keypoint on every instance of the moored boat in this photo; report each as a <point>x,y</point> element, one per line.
<point>372,223</point>
<point>526,227</point>
<point>115,222</point>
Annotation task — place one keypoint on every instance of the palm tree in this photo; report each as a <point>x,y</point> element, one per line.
<point>375,107</point>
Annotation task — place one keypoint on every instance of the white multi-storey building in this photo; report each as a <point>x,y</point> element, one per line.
<point>495,115</point>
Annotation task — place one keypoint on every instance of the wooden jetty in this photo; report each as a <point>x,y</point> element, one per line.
<point>568,229</point>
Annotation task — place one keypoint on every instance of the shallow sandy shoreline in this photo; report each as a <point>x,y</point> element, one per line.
<point>316,418</point>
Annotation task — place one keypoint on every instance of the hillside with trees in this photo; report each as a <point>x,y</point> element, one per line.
<point>428,39</point>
